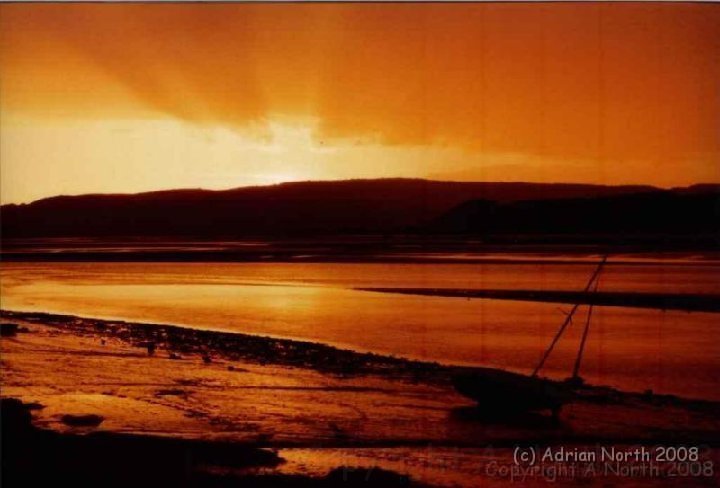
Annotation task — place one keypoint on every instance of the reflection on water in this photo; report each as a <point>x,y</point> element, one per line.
<point>635,349</point>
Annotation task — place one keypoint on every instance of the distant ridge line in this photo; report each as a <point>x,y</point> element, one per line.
<point>361,206</point>
<point>349,181</point>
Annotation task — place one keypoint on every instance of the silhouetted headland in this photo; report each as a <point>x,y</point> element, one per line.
<point>355,220</point>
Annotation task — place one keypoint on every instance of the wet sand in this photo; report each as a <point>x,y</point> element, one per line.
<point>319,408</point>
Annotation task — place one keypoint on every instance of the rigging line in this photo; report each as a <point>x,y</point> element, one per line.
<point>578,360</point>
<point>568,319</point>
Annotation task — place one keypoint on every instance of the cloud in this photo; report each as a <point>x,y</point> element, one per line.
<point>603,83</point>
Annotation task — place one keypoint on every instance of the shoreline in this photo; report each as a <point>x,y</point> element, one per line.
<point>274,257</point>
<point>254,348</point>
<point>319,357</point>
<point>354,249</point>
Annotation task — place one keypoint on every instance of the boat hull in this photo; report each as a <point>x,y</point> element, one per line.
<point>504,392</point>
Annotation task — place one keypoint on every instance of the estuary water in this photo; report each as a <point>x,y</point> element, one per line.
<point>634,349</point>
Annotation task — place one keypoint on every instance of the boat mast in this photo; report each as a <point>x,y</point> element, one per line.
<point>568,319</point>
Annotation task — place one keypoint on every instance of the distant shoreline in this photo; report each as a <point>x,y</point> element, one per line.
<point>234,258</point>
<point>359,250</point>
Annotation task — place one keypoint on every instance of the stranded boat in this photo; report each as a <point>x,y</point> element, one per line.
<point>503,392</point>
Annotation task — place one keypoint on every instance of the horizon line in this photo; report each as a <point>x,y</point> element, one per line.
<point>346,180</point>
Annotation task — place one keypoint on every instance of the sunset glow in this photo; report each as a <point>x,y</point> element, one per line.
<point>99,98</point>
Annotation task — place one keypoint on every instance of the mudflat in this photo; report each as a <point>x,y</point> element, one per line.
<point>317,408</point>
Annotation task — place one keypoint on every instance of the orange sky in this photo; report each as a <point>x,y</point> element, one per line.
<point>123,98</point>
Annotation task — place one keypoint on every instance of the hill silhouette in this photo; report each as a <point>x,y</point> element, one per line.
<point>359,206</point>
<point>661,213</point>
